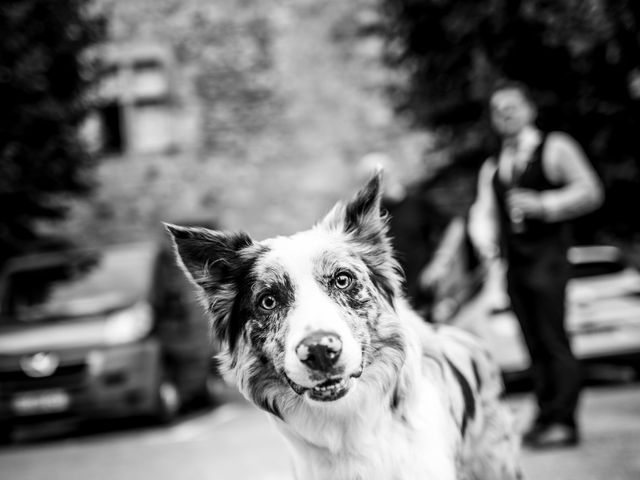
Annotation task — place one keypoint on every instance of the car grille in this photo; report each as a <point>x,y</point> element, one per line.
<point>69,376</point>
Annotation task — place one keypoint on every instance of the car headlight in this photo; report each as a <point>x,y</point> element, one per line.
<point>128,325</point>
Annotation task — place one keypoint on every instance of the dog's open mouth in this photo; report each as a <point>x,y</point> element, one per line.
<point>327,391</point>
<point>330,390</point>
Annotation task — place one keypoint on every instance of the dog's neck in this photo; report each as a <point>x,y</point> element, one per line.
<point>331,429</point>
<point>371,431</point>
<point>371,410</point>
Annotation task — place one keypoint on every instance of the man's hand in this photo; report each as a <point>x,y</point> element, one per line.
<point>527,202</point>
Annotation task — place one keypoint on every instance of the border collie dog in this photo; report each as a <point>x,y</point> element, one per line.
<point>316,332</point>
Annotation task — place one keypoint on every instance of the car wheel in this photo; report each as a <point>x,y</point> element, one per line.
<point>6,436</point>
<point>212,389</point>
<point>169,401</point>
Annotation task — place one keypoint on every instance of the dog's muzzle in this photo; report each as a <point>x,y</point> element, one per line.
<point>320,351</point>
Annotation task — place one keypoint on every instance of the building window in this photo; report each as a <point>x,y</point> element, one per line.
<point>134,100</point>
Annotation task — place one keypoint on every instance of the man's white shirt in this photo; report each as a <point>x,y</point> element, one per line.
<point>564,164</point>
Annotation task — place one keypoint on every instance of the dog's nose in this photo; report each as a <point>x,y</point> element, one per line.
<point>320,350</point>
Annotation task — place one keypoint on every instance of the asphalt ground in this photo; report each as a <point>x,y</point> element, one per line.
<point>235,441</point>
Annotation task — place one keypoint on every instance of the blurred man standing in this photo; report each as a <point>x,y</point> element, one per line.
<point>526,193</point>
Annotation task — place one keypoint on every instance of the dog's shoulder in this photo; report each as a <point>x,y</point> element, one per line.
<point>469,354</point>
<point>461,364</point>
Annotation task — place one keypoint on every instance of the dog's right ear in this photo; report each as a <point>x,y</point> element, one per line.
<point>204,254</point>
<point>214,261</point>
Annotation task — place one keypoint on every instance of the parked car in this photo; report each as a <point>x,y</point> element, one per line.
<point>603,314</point>
<point>105,332</point>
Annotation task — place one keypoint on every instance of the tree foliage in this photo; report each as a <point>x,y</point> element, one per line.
<point>581,59</point>
<point>44,78</point>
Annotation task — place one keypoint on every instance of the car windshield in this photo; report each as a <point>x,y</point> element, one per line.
<point>594,269</point>
<point>77,284</point>
<point>593,261</point>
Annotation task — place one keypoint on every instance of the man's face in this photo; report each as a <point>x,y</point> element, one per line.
<point>510,111</point>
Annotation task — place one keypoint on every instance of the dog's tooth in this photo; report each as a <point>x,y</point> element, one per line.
<point>328,389</point>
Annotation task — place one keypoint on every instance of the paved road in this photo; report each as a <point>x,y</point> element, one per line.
<point>610,450</point>
<point>237,442</point>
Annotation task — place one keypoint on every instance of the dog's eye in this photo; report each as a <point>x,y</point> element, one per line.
<point>343,280</point>
<point>268,302</point>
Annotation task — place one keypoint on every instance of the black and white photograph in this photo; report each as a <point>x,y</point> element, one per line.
<point>319,240</point>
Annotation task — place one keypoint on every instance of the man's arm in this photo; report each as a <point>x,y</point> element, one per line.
<point>565,164</point>
<point>483,214</point>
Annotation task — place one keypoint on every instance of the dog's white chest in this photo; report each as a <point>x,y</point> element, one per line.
<point>394,457</point>
<point>394,448</point>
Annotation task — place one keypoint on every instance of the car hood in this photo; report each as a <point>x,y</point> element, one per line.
<point>590,289</point>
<point>611,299</point>
<point>18,339</point>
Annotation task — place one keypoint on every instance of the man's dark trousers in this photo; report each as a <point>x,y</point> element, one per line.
<point>537,293</point>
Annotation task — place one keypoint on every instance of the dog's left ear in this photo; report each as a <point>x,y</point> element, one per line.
<point>362,216</point>
<point>365,226</point>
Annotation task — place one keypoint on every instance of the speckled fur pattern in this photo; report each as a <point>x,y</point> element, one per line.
<point>406,400</point>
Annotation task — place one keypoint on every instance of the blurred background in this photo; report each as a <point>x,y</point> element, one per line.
<point>258,115</point>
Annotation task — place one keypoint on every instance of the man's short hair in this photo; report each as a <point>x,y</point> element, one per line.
<point>508,84</point>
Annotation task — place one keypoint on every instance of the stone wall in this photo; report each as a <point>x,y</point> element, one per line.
<point>274,102</point>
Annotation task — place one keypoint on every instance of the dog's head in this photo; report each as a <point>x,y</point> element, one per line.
<point>299,317</point>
